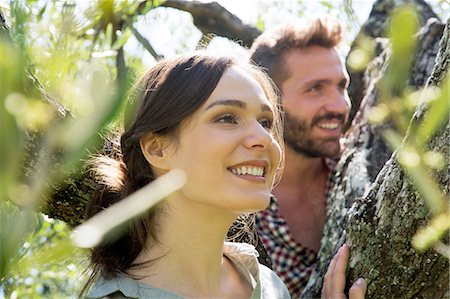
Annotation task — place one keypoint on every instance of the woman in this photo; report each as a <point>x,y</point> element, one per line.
<point>219,122</point>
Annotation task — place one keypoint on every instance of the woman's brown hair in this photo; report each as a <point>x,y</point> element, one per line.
<point>162,99</point>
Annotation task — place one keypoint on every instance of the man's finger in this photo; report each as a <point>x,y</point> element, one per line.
<point>358,289</point>
<point>329,279</point>
<point>341,266</point>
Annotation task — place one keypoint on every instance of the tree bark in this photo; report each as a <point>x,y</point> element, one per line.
<point>377,212</point>
<point>375,27</point>
<point>381,225</point>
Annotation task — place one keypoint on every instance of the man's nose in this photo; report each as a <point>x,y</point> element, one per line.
<point>339,102</point>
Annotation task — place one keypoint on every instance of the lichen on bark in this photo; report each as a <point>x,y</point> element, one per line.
<point>378,223</point>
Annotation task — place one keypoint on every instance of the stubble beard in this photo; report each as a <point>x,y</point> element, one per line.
<point>297,136</point>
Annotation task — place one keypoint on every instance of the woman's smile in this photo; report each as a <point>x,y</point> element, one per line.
<point>251,170</point>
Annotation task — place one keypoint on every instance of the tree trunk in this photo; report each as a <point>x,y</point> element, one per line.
<point>380,226</point>
<point>375,27</point>
<point>377,212</point>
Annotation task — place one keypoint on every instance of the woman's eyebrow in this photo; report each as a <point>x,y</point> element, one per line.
<point>265,107</point>
<point>238,104</point>
<point>228,102</point>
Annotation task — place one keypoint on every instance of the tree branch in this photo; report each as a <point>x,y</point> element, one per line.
<point>214,18</point>
<point>145,42</point>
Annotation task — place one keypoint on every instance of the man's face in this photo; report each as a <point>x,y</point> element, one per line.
<point>315,100</point>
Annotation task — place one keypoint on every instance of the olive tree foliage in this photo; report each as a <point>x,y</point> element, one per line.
<point>59,103</point>
<point>42,141</point>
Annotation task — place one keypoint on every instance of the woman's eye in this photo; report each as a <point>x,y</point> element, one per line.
<point>266,123</point>
<point>227,119</point>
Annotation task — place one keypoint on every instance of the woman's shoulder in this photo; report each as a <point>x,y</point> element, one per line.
<point>271,284</point>
<point>266,283</point>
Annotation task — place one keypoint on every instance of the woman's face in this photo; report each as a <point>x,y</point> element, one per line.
<point>227,148</point>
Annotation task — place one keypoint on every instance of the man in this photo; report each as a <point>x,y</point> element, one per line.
<point>304,63</point>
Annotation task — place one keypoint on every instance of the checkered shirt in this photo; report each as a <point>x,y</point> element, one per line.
<point>291,261</point>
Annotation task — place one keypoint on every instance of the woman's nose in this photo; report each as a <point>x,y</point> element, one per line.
<point>258,136</point>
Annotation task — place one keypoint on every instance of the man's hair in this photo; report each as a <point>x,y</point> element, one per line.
<point>269,48</point>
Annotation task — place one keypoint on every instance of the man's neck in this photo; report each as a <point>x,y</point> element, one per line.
<point>301,171</point>
<point>300,196</point>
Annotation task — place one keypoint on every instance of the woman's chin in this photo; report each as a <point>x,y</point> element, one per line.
<point>257,204</point>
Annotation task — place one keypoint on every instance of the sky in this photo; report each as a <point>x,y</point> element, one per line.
<point>171,31</point>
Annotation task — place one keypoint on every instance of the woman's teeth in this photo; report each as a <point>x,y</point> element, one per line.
<point>250,170</point>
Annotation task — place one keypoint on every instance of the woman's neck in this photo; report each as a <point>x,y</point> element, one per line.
<point>189,257</point>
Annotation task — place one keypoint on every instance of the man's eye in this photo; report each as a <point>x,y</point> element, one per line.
<point>227,119</point>
<point>343,86</point>
<point>315,88</point>
<point>266,123</point>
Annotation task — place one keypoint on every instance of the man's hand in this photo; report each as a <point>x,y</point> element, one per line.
<point>334,284</point>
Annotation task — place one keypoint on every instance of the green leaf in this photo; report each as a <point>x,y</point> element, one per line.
<point>11,71</point>
<point>108,34</point>
<point>15,225</point>
<point>260,24</point>
<point>436,230</point>
<point>122,39</point>
<point>41,12</point>
<point>437,113</point>
<point>56,251</point>
<point>326,4</point>
<point>149,5</point>
<point>403,26</point>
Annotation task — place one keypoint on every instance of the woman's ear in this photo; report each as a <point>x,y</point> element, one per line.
<point>152,147</point>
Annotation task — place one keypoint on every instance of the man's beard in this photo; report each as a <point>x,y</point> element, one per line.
<point>297,135</point>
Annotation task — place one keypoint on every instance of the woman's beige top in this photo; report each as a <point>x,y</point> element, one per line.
<point>266,284</point>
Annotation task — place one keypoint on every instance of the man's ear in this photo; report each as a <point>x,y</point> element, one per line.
<point>152,147</point>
